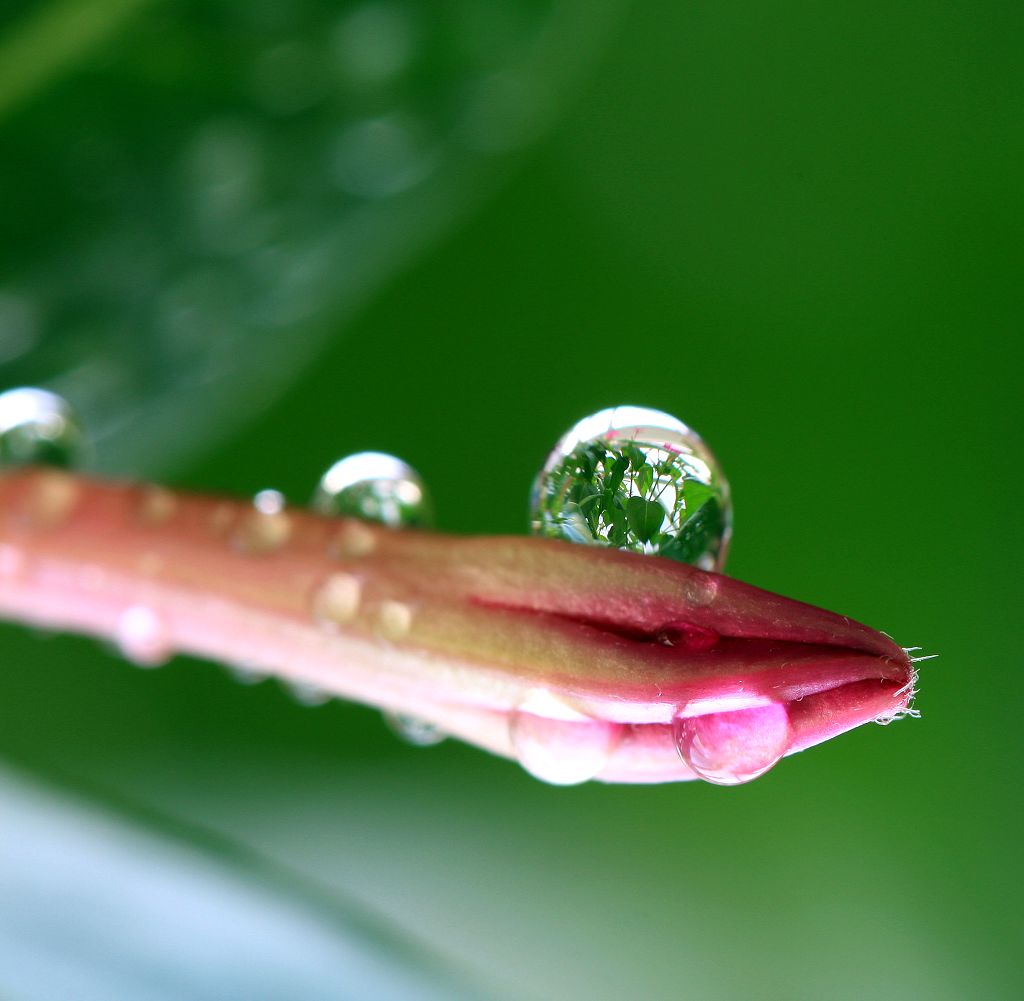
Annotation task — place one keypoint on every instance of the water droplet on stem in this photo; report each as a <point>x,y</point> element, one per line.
<point>635,479</point>
<point>729,748</point>
<point>413,730</point>
<point>558,745</point>
<point>374,486</point>
<point>37,427</point>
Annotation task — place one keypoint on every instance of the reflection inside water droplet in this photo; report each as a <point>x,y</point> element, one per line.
<point>729,748</point>
<point>37,427</point>
<point>376,487</point>
<point>565,749</point>
<point>413,730</point>
<point>635,479</point>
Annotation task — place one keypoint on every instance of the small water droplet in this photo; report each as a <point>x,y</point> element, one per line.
<point>351,542</point>
<point>635,479</point>
<point>269,502</point>
<point>156,506</point>
<point>394,620</point>
<point>53,497</point>
<point>247,674</point>
<point>143,637</point>
<point>413,730</point>
<point>729,748</point>
<point>266,528</point>
<point>701,590</point>
<point>37,427</point>
<point>688,637</point>
<point>221,518</point>
<point>336,601</point>
<point>374,486</point>
<point>558,745</point>
<point>308,694</point>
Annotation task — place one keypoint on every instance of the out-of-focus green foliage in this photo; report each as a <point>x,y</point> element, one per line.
<point>795,226</point>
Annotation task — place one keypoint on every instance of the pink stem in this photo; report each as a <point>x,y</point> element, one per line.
<point>529,648</point>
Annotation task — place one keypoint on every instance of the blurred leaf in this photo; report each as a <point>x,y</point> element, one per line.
<point>196,194</point>
<point>97,909</point>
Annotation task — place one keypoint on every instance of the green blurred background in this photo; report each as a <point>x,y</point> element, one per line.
<point>795,226</point>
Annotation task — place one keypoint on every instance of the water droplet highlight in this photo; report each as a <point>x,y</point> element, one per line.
<point>730,748</point>
<point>558,745</point>
<point>413,730</point>
<point>374,486</point>
<point>143,637</point>
<point>635,479</point>
<point>37,427</point>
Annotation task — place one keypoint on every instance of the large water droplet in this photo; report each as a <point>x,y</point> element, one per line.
<point>37,427</point>
<point>377,487</point>
<point>413,730</point>
<point>729,748</point>
<point>635,479</point>
<point>563,749</point>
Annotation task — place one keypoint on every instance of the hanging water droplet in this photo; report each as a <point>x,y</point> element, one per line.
<point>377,487</point>
<point>558,745</point>
<point>308,694</point>
<point>37,427</point>
<point>729,748</point>
<point>635,479</point>
<point>246,673</point>
<point>413,730</point>
<point>143,637</point>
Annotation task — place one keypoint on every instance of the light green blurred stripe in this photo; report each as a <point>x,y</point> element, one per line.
<point>52,39</point>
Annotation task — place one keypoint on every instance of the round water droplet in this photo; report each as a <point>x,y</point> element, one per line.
<point>377,487</point>
<point>37,427</point>
<point>635,479</point>
<point>729,748</point>
<point>246,673</point>
<point>413,730</point>
<point>308,694</point>
<point>336,600</point>
<point>393,620</point>
<point>143,637</point>
<point>562,747</point>
<point>266,528</point>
